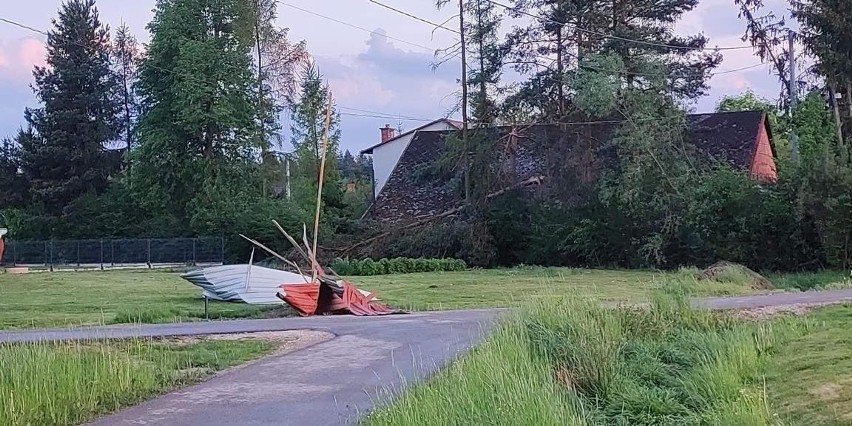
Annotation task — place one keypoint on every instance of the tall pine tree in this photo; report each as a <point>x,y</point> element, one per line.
<point>308,118</point>
<point>564,34</point>
<point>125,57</point>
<point>65,158</point>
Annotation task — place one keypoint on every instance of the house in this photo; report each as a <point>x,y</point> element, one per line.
<point>564,154</point>
<point>387,153</point>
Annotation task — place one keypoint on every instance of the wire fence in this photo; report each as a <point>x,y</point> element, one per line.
<point>115,253</point>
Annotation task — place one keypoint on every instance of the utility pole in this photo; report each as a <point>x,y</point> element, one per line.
<point>793,88</point>
<point>466,159</point>
<point>287,166</point>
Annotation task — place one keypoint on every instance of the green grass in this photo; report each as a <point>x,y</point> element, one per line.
<point>810,380</point>
<point>823,280</point>
<point>84,298</point>
<point>70,383</point>
<point>573,362</point>
<point>513,287</point>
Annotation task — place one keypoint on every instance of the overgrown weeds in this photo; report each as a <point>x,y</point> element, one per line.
<point>69,383</point>
<point>577,362</point>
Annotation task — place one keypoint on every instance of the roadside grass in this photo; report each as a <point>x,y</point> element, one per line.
<point>58,384</point>
<point>804,281</point>
<point>573,362</point>
<point>810,379</point>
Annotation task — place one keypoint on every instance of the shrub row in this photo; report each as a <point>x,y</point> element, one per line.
<point>399,265</point>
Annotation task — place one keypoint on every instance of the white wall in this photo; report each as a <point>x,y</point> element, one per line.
<point>387,155</point>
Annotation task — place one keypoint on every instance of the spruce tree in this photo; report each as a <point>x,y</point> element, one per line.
<point>125,56</point>
<point>65,158</point>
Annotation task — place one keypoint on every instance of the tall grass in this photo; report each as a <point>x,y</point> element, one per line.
<point>577,362</point>
<point>69,383</point>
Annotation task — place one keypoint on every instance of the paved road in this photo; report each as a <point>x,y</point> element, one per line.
<point>777,299</point>
<point>334,382</point>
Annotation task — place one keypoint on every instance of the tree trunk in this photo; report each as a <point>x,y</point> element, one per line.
<point>466,152</point>
<point>560,69</point>
<point>260,107</point>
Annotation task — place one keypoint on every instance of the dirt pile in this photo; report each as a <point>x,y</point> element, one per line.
<point>724,271</point>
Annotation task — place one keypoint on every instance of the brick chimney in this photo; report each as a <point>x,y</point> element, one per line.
<point>388,133</point>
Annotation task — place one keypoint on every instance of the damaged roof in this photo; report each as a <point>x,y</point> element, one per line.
<point>573,154</point>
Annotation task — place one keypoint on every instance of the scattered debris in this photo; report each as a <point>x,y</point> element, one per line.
<point>724,271</point>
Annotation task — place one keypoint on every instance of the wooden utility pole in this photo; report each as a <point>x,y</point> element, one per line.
<point>320,181</point>
<point>465,142</point>
<point>793,90</point>
<point>260,106</point>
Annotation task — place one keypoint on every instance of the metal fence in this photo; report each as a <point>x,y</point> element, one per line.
<point>115,253</point>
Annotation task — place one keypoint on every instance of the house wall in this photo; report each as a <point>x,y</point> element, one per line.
<point>763,165</point>
<point>387,155</point>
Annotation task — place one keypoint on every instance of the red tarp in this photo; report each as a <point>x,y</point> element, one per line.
<point>318,299</point>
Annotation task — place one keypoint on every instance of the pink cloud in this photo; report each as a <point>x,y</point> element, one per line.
<point>18,57</point>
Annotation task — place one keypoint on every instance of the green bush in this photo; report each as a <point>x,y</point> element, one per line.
<point>399,265</point>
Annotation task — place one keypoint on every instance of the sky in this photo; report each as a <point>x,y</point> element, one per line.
<point>375,60</point>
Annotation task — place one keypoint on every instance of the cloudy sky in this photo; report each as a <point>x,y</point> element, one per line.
<point>379,61</point>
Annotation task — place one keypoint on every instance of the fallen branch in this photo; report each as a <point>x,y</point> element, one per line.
<point>536,180</point>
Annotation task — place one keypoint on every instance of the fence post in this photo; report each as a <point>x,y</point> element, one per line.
<point>51,255</point>
<point>194,258</point>
<point>102,255</point>
<point>149,253</point>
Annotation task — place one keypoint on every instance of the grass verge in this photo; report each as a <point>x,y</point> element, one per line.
<point>57,384</point>
<point>573,362</point>
<point>810,379</point>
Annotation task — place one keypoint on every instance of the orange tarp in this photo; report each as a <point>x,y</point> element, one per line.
<point>318,299</point>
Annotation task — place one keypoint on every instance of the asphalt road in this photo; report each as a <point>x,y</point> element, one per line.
<point>334,382</point>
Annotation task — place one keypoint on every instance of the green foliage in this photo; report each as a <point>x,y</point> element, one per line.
<point>399,265</point>
<point>196,86</point>
<point>14,185</point>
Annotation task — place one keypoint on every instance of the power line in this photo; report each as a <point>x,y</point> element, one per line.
<point>357,27</point>
<point>614,37</point>
<point>736,69</point>
<point>383,113</point>
<point>412,16</point>
<point>385,117</point>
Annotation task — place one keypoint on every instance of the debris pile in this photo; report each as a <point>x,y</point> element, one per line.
<point>322,293</point>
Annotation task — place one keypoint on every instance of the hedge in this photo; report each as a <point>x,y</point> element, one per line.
<point>399,265</point>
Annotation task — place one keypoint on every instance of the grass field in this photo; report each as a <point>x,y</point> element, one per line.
<point>85,298</point>
<point>810,378</point>
<point>70,383</point>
